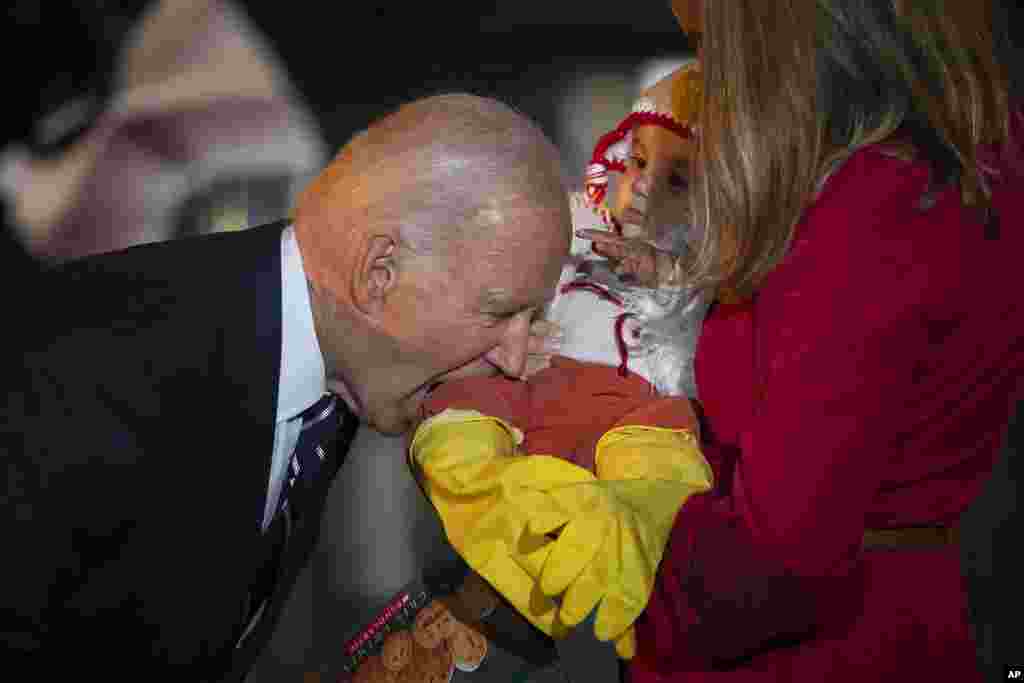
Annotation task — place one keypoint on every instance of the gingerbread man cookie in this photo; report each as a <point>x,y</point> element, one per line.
<point>397,650</point>
<point>428,666</point>
<point>468,646</point>
<point>432,625</point>
<point>372,670</point>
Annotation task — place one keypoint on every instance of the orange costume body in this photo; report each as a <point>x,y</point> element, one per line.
<point>565,408</point>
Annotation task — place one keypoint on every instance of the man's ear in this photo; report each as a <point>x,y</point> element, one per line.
<point>376,274</point>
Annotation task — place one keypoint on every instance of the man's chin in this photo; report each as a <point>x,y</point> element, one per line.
<point>389,422</point>
<point>390,428</point>
<point>401,416</point>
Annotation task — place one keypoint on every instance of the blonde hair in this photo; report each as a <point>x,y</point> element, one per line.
<point>793,87</point>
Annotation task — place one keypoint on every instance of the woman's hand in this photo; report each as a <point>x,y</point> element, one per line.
<point>650,266</point>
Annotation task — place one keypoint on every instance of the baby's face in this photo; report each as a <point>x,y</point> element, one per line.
<point>652,199</point>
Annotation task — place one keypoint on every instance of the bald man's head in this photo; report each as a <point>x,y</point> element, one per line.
<point>435,173</point>
<point>429,242</point>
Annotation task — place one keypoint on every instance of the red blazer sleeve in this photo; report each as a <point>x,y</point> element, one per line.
<point>841,335</point>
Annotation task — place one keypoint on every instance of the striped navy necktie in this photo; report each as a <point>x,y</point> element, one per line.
<point>319,429</point>
<point>315,446</point>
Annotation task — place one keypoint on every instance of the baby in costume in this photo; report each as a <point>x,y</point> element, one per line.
<point>561,489</point>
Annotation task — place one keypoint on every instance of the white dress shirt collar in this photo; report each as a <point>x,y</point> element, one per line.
<point>302,364</point>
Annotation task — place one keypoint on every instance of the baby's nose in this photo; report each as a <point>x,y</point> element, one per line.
<point>642,184</point>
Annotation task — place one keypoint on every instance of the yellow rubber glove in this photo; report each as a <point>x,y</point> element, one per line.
<point>483,491</point>
<point>616,528</point>
<point>625,645</point>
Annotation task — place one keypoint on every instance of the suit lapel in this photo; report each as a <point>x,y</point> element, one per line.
<point>251,359</point>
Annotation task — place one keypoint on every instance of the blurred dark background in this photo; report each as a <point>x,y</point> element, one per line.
<point>145,120</point>
<point>135,121</point>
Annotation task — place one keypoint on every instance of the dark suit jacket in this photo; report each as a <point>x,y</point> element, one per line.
<point>137,440</point>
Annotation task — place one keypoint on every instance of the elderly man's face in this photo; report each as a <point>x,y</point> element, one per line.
<point>467,316</point>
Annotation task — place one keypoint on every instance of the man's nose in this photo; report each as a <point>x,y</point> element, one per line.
<point>510,355</point>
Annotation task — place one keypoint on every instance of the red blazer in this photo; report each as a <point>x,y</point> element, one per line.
<point>868,384</point>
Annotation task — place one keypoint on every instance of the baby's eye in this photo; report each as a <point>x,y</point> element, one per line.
<point>678,182</point>
<point>639,162</point>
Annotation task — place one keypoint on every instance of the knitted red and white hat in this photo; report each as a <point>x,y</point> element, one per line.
<point>672,103</point>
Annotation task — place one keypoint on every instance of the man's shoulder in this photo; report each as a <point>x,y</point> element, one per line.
<point>161,307</point>
<point>161,275</point>
<point>180,255</point>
